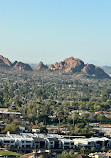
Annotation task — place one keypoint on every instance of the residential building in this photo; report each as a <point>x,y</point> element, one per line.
<point>66,144</point>
<point>92,142</point>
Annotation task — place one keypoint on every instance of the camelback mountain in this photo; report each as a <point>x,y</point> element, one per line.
<point>5,63</point>
<point>74,65</point>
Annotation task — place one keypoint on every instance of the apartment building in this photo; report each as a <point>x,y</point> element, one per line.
<point>92,142</point>
<point>67,144</point>
<point>7,141</point>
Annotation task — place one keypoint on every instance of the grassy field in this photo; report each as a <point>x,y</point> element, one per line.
<point>8,153</point>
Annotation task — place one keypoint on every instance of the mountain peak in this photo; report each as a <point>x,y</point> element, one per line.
<point>41,66</point>
<point>5,63</point>
<point>22,66</point>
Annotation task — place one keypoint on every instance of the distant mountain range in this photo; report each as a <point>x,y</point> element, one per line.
<point>70,65</point>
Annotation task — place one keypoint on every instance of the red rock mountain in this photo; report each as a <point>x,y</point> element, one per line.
<point>75,65</point>
<point>5,63</point>
<point>2,64</point>
<point>94,71</point>
<point>41,66</point>
<point>68,65</point>
<point>22,66</point>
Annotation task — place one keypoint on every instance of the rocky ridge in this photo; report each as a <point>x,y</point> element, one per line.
<point>22,66</point>
<point>70,65</point>
<point>75,65</point>
<point>5,63</point>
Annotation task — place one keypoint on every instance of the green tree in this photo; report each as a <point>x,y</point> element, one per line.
<point>43,118</point>
<point>93,149</point>
<point>11,127</point>
<point>83,150</point>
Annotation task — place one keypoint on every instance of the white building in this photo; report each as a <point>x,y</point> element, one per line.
<point>7,141</point>
<point>50,143</point>
<point>36,130</point>
<point>67,143</point>
<point>24,142</point>
<point>21,141</point>
<point>92,142</point>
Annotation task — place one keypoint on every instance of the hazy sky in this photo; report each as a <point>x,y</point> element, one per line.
<point>51,30</point>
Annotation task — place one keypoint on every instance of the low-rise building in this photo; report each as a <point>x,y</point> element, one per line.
<point>92,142</point>
<point>50,143</point>
<point>5,113</point>
<point>39,143</point>
<point>7,141</point>
<point>21,141</point>
<point>66,144</point>
<point>35,130</point>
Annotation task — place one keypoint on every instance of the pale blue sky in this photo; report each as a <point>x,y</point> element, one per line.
<point>51,30</point>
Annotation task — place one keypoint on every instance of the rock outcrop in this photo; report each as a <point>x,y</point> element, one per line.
<point>22,66</point>
<point>3,65</point>
<point>68,65</point>
<point>94,71</point>
<point>41,66</point>
<point>75,65</point>
<point>5,61</point>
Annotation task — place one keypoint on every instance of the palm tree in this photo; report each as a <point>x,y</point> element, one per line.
<point>73,117</point>
<point>36,122</point>
<point>59,117</point>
